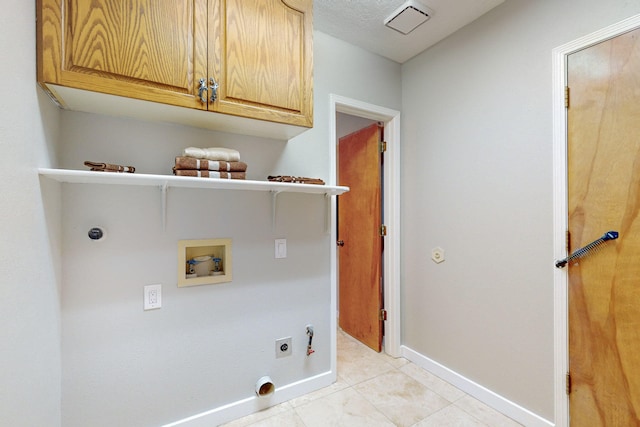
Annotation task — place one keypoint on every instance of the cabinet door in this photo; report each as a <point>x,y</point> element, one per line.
<point>261,55</point>
<point>153,50</point>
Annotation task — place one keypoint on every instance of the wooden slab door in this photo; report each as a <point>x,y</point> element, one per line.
<point>359,239</point>
<point>604,194</point>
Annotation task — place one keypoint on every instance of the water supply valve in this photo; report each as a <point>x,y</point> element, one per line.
<point>310,350</point>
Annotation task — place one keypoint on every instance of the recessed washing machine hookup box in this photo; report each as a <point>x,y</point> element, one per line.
<point>204,262</point>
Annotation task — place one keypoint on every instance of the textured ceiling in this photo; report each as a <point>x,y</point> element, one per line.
<point>361,23</point>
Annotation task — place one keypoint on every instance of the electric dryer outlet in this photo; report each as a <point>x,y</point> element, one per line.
<point>283,347</point>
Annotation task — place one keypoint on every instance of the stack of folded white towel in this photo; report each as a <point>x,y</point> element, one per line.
<point>216,162</point>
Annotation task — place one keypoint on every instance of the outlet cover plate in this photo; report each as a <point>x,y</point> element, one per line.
<point>283,347</point>
<point>152,297</point>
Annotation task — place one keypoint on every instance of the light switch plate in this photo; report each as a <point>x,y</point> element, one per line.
<point>152,297</point>
<point>281,248</point>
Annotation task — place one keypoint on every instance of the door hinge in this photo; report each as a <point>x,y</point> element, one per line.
<point>566,97</point>
<point>383,314</point>
<point>568,383</point>
<point>568,240</point>
<point>383,230</point>
<point>383,146</point>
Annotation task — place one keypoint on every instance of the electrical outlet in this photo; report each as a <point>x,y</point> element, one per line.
<point>152,297</point>
<point>283,347</point>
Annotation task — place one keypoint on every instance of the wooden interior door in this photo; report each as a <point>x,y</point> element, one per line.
<point>360,243</point>
<point>604,194</point>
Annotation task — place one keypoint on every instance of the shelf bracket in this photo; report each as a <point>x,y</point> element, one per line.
<point>327,213</point>
<point>274,208</point>
<point>163,200</point>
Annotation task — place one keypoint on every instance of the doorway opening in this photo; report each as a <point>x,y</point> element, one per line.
<point>390,120</point>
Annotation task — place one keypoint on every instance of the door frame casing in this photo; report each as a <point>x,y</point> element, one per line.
<point>390,209</point>
<point>560,204</point>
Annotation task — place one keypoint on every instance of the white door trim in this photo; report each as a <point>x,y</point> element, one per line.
<point>560,203</point>
<point>391,209</point>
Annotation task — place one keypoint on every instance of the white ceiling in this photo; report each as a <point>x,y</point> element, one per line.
<point>361,23</point>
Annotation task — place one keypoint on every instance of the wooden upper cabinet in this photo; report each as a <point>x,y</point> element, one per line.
<point>145,49</point>
<point>258,53</point>
<point>261,54</point>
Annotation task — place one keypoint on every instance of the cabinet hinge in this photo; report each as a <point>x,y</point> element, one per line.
<point>383,230</point>
<point>566,97</point>
<point>568,383</point>
<point>383,146</point>
<point>383,314</point>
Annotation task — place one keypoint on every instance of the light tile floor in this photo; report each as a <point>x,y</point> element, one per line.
<point>374,389</point>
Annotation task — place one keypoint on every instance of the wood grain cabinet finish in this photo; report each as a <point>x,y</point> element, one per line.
<point>259,53</point>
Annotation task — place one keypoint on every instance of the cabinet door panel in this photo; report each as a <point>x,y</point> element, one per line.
<point>147,49</point>
<point>261,54</point>
<point>109,37</point>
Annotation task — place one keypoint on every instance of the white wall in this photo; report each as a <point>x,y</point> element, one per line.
<point>29,250</point>
<point>347,124</point>
<point>207,346</point>
<point>477,181</point>
<point>341,69</point>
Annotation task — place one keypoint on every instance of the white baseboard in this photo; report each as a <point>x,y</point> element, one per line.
<point>250,405</point>
<point>486,396</point>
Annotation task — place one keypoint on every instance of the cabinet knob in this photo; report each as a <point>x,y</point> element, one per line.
<point>340,243</point>
<point>202,89</point>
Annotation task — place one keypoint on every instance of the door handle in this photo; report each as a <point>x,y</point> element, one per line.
<point>214,89</point>
<point>201,90</point>
<point>340,243</point>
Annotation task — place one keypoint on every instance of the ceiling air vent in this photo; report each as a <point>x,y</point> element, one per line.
<point>408,17</point>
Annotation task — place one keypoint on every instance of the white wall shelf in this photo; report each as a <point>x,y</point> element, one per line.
<point>171,181</point>
<point>164,182</point>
